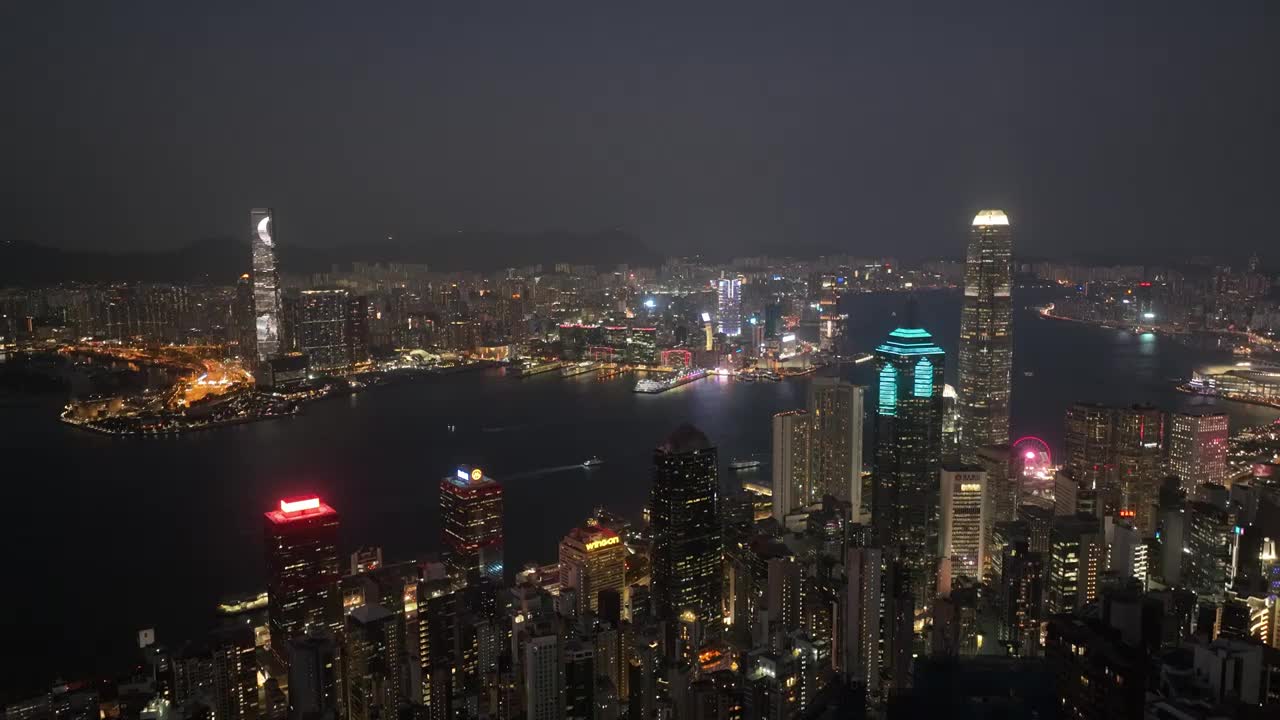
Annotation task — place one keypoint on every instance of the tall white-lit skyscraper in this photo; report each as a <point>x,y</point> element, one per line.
<point>266,283</point>
<point>835,422</point>
<point>1198,448</point>
<point>730,302</point>
<point>962,522</point>
<point>986,336</point>
<point>791,457</point>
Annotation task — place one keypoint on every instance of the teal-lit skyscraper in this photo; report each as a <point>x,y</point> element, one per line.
<point>908,406</point>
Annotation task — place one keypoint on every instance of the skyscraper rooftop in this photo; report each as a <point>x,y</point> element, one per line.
<point>686,438</point>
<point>990,217</point>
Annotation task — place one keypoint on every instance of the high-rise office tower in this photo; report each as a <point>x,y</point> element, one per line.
<point>1198,448</point>
<point>266,283</point>
<point>303,569</point>
<point>729,295</point>
<point>471,524</point>
<point>1090,452</point>
<point>864,574</point>
<point>1139,439</point>
<point>592,560</point>
<point>313,677</point>
<point>986,335</point>
<point>835,426</point>
<point>772,320</point>
<point>685,522</point>
<point>962,524</point>
<point>322,328</point>
<point>1209,568</point>
<point>372,655</point>
<point>909,449</point>
<point>792,486</point>
<point>579,680</point>
<point>1022,598</point>
<point>243,330</point>
<point>235,673</point>
<point>1077,558</point>
<point>357,331</point>
<point>783,592</point>
<point>543,678</point>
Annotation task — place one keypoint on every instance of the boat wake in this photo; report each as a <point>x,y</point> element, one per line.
<point>542,472</point>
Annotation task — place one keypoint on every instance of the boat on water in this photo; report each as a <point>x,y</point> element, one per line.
<point>746,377</point>
<point>651,386</point>
<point>592,462</point>
<point>744,464</point>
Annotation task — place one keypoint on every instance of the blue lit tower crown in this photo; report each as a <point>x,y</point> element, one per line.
<point>909,410</point>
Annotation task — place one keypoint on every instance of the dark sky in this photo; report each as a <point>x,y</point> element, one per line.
<point>870,127</point>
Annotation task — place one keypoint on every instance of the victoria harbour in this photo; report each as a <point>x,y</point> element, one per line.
<point>189,526</point>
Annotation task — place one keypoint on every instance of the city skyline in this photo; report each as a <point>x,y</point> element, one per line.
<point>625,363</point>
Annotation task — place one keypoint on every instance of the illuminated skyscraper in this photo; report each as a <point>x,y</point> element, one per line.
<point>1077,558</point>
<point>592,560</point>
<point>685,521</point>
<point>986,338</point>
<point>1139,440</point>
<point>1090,445</point>
<point>471,524</point>
<point>266,283</point>
<point>1198,448</point>
<point>792,486</point>
<point>322,329</point>
<point>730,302</point>
<point>962,524</point>
<point>909,366</point>
<point>303,570</point>
<point>1212,538</point>
<point>835,422</point>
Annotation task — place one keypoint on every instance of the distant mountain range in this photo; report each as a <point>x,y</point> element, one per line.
<point>221,260</point>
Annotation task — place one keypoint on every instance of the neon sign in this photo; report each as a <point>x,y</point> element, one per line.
<point>604,542</point>
<point>296,506</point>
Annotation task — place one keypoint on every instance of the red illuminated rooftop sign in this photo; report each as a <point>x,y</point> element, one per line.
<point>297,505</point>
<point>299,508</point>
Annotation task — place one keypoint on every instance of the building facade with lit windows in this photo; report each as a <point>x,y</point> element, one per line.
<point>1212,538</point>
<point>471,524</point>
<point>1077,559</point>
<point>685,522</point>
<point>835,420</point>
<point>1198,448</point>
<point>909,367</point>
<point>962,523</point>
<point>322,328</point>
<point>1089,447</point>
<point>729,302</point>
<point>1139,449</point>
<point>303,570</point>
<point>986,335</point>
<point>592,560</point>
<point>792,487</point>
<point>266,283</point>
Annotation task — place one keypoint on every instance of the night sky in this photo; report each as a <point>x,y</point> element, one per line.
<point>1107,128</point>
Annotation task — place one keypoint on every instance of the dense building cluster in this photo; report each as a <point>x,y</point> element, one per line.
<point>944,568</point>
